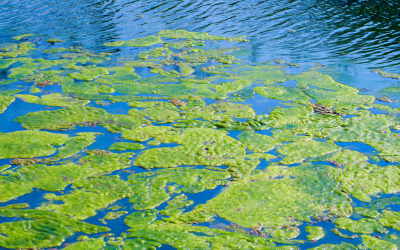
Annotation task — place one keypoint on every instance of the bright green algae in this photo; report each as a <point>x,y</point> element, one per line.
<point>56,177</point>
<point>5,101</point>
<point>55,99</point>
<point>40,228</point>
<point>138,42</point>
<point>67,118</point>
<point>265,205</point>
<point>28,144</point>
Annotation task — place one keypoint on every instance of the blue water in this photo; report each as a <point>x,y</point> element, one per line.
<point>349,37</point>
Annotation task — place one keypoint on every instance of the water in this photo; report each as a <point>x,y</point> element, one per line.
<point>363,32</point>
<point>349,37</point>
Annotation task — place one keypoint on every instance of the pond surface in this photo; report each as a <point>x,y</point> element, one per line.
<point>284,139</point>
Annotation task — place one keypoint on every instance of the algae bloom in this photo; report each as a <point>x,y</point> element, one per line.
<point>165,140</point>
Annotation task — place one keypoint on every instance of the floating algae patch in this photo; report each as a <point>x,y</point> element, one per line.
<point>40,229</point>
<point>112,216</point>
<point>28,144</point>
<point>90,244</point>
<point>278,202</point>
<point>56,177</point>
<point>199,146</point>
<point>373,243</point>
<point>17,38</point>
<point>93,194</point>
<point>70,117</point>
<point>5,101</point>
<point>73,146</point>
<point>138,42</point>
<point>121,146</point>
<point>256,142</point>
<point>315,232</point>
<point>149,189</point>
<point>363,226</point>
<point>341,246</point>
<point>195,237</point>
<point>299,151</point>
<point>196,35</point>
<point>56,99</point>
<point>363,180</point>
<point>175,205</point>
<point>383,202</point>
<point>370,213</point>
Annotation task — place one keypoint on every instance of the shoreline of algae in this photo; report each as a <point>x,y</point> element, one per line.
<point>180,124</point>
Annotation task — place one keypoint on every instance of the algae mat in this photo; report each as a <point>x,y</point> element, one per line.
<point>195,160</point>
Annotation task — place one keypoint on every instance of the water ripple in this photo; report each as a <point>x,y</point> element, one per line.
<point>363,31</point>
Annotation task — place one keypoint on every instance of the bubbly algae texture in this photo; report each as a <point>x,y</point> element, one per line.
<point>214,166</point>
<point>67,118</point>
<point>55,99</point>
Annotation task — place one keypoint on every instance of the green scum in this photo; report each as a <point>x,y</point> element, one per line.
<point>193,129</point>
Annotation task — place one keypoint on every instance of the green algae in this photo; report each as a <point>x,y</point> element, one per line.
<point>283,233</point>
<point>175,205</point>
<point>315,232</point>
<point>274,91</point>
<point>40,228</point>
<point>386,74</point>
<point>88,74</point>
<point>363,226</point>
<point>17,38</point>
<point>93,194</point>
<point>340,234</point>
<point>256,142</point>
<point>34,90</point>
<point>70,117</point>
<point>138,219</point>
<point>54,40</point>
<point>148,191</point>
<point>112,216</point>
<point>138,42</point>
<point>370,213</point>
<point>184,237</point>
<point>89,244</point>
<point>363,180</point>
<point>5,101</point>
<point>348,156</point>
<point>390,219</point>
<point>156,52</point>
<point>28,144</point>
<point>383,202</point>
<point>342,246</point>
<point>5,63</point>
<point>73,145</point>
<point>196,35</point>
<point>114,208</point>
<point>299,151</point>
<point>155,114</point>
<point>121,146</point>
<point>200,146</point>
<point>273,200</point>
<point>105,89</point>
<point>121,74</point>
<point>279,202</point>
<point>56,99</point>
<point>56,178</point>
<point>4,167</point>
<point>372,243</point>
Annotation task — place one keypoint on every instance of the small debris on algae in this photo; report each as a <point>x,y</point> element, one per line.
<point>177,102</point>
